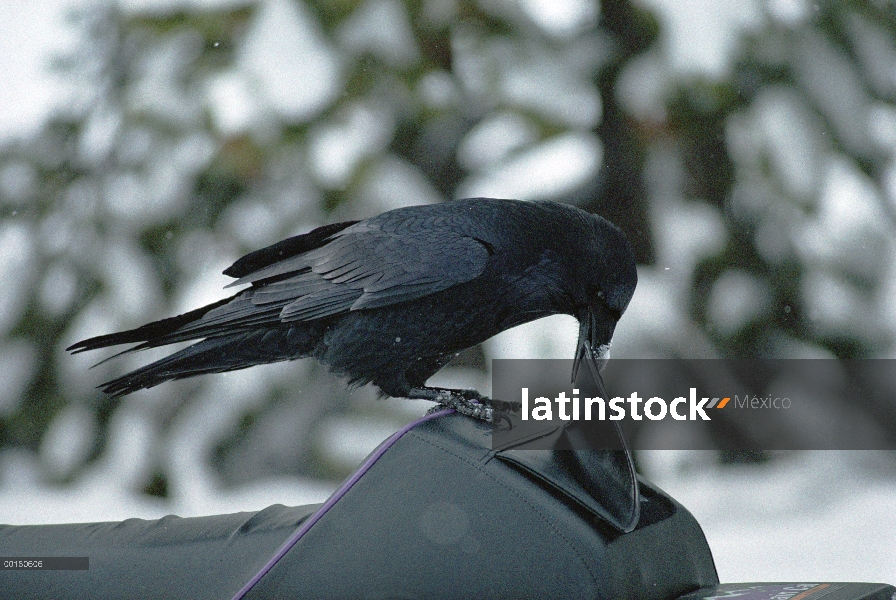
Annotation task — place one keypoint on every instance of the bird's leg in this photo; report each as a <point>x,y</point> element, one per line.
<point>467,402</point>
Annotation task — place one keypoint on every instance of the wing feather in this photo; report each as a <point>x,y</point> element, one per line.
<point>396,257</point>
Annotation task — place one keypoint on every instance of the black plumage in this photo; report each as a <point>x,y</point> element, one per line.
<point>391,299</point>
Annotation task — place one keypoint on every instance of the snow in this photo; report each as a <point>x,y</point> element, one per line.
<point>562,17</point>
<point>813,516</point>
<point>303,77</point>
<point>700,36</point>
<point>31,35</point>
<point>557,166</point>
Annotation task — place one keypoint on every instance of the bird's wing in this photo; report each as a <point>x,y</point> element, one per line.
<point>379,262</point>
<point>331,270</point>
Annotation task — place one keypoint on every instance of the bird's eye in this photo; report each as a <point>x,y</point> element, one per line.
<point>600,294</point>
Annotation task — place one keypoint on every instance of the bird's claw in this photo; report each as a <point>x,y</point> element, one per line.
<point>499,417</point>
<point>477,407</point>
<point>466,402</point>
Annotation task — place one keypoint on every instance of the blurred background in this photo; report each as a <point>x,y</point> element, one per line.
<point>746,147</point>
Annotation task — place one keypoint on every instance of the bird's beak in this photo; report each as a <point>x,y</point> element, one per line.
<point>595,332</point>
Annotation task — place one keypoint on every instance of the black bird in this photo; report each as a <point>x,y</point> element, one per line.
<point>391,299</point>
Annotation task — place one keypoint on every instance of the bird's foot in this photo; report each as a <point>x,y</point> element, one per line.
<point>467,402</point>
<point>471,407</point>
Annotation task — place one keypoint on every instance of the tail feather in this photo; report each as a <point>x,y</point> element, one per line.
<point>217,355</point>
<point>233,334</point>
<point>146,333</point>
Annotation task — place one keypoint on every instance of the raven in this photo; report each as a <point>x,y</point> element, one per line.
<point>391,299</point>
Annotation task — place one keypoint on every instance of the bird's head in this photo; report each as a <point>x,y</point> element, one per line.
<point>607,285</point>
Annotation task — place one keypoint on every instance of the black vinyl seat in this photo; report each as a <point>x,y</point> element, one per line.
<point>434,512</point>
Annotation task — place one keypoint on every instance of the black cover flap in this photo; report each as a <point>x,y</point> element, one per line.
<point>601,481</point>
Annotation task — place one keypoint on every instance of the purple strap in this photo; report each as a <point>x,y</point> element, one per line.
<point>332,500</point>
